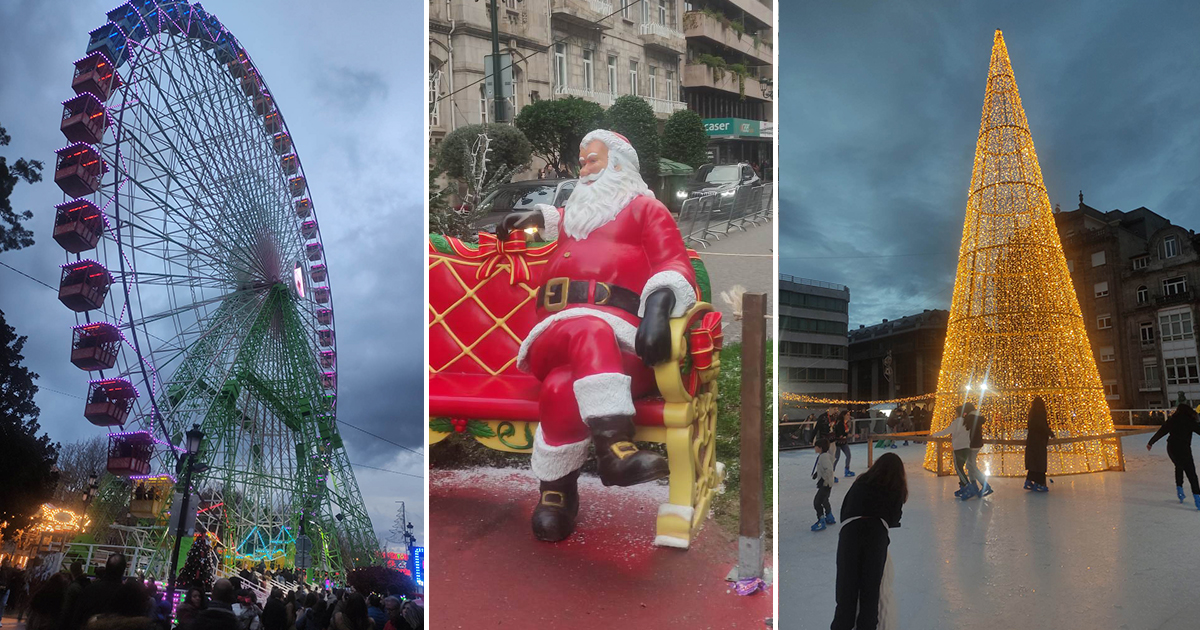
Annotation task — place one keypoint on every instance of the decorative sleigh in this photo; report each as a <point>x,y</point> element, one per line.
<point>481,305</point>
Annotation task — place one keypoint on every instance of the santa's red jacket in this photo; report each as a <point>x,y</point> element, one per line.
<point>640,250</point>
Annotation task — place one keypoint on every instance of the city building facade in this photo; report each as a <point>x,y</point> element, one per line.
<point>897,358</point>
<point>1134,274</point>
<point>813,347</point>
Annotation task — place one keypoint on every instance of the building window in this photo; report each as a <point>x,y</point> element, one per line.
<point>1181,370</point>
<point>662,12</point>
<point>612,75</point>
<point>1141,262</point>
<point>633,78</point>
<point>671,94</point>
<point>1143,295</point>
<point>1110,390</point>
<point>625,8</point>
<point>1070,266</point>
<point>1175,286</point>
<point>560,66</point>
<point>1101,289</point>
<point>1103,321</point>
<point>1150,371</point>
<point>1175,326</point>
<point>1170,247</point>
<point>645,12</point>
<point>435,92</point>
<point>1097,259</point>
<point>588,83</point>
<point>483,104</point>
<point>1107,355</point>
<point>652,78</point>
<point>1147,332</point>
<point>805,324</point>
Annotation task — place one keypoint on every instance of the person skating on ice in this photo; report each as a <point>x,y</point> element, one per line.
<point>823,473</point>
<point>974,423</point>
<point>873,505</point>
<point>1178,429</point>
<point>842,429</point>
<point>960,443</point>
<point>1038,435</point>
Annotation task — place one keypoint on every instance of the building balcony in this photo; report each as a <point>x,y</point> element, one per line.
<point>663,38</point>
<point>1175,298</point>
<point>1150,386</point>
<point>699,24</point>
<point>583,13</point>
<point>603,98</point>
<point>697,75</point>
<point>757,9</point>
<point>663,107</point>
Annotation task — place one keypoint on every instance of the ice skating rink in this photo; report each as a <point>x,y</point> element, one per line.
<point>1103,551</point>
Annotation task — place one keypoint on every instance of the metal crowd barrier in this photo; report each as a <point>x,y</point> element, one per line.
<point>710,217</point>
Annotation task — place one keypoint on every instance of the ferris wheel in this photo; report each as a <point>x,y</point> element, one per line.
<point>197,273</point>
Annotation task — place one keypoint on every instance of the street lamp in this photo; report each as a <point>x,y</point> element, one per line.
<point>194,437</point>
<point>89,492</point>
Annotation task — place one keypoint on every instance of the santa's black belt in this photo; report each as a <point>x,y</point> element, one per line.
<point>557,293</point>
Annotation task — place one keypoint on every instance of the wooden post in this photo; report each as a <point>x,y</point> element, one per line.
<point>1120,454</point>
<point>754,341</point>
<point>940,444</point>
<point>870,453</point>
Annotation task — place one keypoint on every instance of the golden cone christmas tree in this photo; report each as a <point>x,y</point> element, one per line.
<point>1015,329</point>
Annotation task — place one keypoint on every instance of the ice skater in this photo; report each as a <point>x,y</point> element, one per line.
<point>1038,435</point>
<point>1178,429</point>
<point>823,473</point>
<point>873,505</point>
<point>960,443</point>
<point>841,434</point>
<point>974,423</point>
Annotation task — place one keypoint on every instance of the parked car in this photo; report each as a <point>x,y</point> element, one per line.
<point>518,196</point>
<point>722,179</point>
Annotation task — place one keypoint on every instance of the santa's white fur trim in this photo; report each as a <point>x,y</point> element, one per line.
<point>601,395</point>
<point>615,144</point>
<point>625,332</point>
<point>551,217</point>
<point>555,462</point>
<point>685,295</point>
<point>684,512</point>
<point>670,541</point>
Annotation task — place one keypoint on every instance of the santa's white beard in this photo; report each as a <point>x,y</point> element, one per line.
<point>592,205</point>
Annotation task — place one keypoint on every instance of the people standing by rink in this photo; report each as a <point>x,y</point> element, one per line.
<point>1178,429</point>
<point>1038,435</point>
<point>863,586</point>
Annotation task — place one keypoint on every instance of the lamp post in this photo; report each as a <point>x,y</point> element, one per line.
<point>89,492</point>
<point>194,437</point>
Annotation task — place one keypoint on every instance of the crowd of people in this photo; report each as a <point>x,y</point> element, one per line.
<point>115,601</point>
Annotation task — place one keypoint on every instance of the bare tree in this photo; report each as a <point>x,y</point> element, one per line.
<point>76,462</point>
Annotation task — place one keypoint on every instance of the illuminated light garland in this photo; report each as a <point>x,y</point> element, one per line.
<point>59,520</point>
<point>1016,330</point>
<point>838,402</point>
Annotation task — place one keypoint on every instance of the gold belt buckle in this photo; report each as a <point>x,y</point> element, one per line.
<point>554,294</point>
<point>554,498</point>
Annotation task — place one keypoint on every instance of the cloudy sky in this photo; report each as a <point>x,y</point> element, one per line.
<point>879,108</point>
<point>348,78</point>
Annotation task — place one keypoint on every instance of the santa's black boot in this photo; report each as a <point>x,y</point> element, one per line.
<point>554,516</point>
<point>620,461</point>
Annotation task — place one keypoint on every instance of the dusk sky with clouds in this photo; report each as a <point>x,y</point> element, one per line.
<point>879,108</point>
<point>349,79</point>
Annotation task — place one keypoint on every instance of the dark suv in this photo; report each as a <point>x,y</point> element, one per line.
<point>518,196</point>
<point>722,179</point>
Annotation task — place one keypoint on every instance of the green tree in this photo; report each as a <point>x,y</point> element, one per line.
<point>684,139</point>
<point>26,459</point>
<point>508,150</point>
<point>554,127</point>
<point>632,117</point>
<point>13,235</point>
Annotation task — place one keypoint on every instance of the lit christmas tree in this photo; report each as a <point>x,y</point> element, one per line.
<point>1015,329</point>
<point>198,569</point>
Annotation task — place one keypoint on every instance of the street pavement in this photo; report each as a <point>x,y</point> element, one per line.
<point>490,572</point>
<point>741,259</point>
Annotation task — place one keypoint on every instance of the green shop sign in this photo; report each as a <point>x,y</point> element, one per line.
<point>732,127</point>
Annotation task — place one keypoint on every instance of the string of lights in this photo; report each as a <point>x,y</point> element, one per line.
<point>1016,330</point>
<point>840,402</point>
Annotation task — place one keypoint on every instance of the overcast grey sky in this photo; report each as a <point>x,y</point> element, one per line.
<point>879,108</point>
<point>348,77</point>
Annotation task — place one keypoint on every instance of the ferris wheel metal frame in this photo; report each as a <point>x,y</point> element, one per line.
<point>182,171</point>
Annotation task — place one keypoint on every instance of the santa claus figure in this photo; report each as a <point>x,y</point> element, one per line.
<point>619,273</point>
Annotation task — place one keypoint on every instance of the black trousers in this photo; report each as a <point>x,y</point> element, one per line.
<point>1181,456</point>
<point>861,554</point>
<point>821,502</point>
<point>1036,476</point>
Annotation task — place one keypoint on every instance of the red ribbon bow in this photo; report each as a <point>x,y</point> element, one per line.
<point>705,342</point>
<point>510,251</point>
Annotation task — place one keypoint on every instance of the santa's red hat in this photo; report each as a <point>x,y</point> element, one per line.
<point>616,143</point>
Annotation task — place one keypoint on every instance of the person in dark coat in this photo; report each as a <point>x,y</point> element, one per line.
<point>843,427</point>
<point>274,614</point>
<point>1178,429</point>
<point>100,597</point>
<point>872,505</point>
<point>1038,434</point>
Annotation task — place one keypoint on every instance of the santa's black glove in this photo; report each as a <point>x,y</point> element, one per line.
<point>514,221</point>
<point>653,343</point>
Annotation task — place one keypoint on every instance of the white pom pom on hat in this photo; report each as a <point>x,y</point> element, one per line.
<point>616,143</point>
